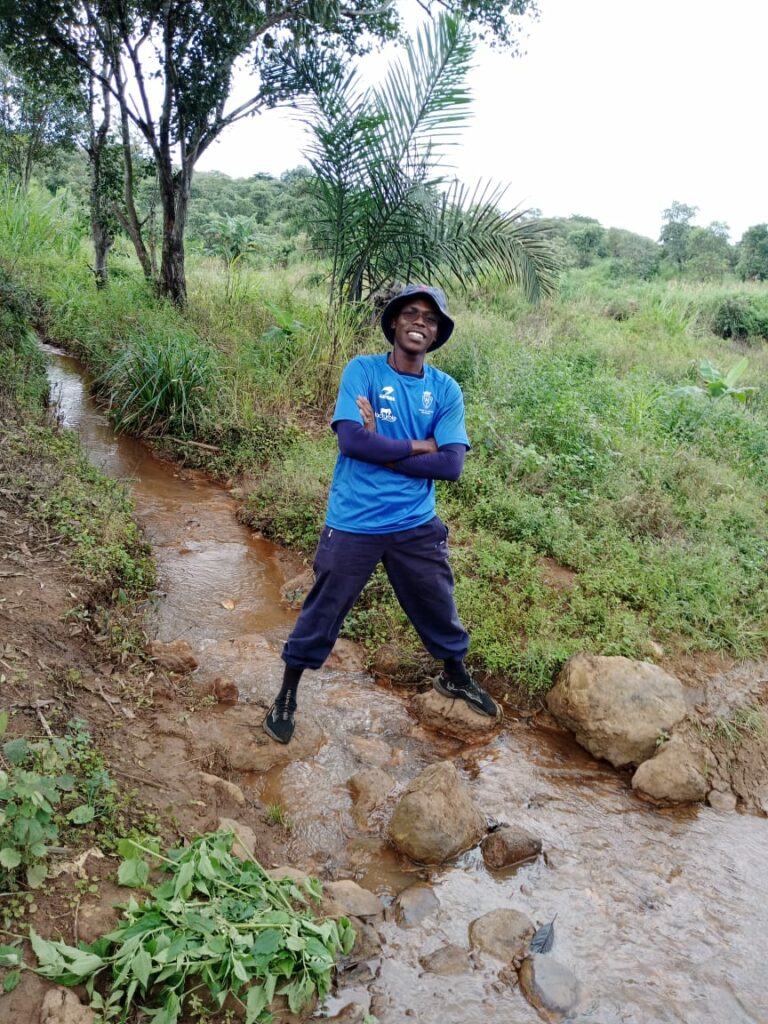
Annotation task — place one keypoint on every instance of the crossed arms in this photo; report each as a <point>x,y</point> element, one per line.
<point>410,457</point>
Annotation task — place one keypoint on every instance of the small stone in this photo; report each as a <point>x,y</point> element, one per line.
<point>503,933</point>
<point>414,904</point>
<point>369,789</point>
<point>225,691</point>
<point>548,986</point>
<point>447,960</point>
<point>722,801</point>
<point>226,789</point>
<point>299,877</point>
<point>245,838</point>
<point>507,846</point>
<point>353,1013</point>
<point>61,1006</point>
<point>367,940</point>
<point>96,919</point>
<point>175,657</point>
<point>345,898</point>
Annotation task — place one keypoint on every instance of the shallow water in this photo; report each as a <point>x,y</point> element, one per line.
<point>661,914</point>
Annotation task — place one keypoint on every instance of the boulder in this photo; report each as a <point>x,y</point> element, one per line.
<point>452,717</point>
<point>226,790</point>
<point>508,845</point>
<point>296,589</point>
<point>503,933</point>
<point>435,818</point>
<point>60,1006</point>
<point>348,899</point>
<point>346,656</point>
<point>446,960</point>
<point>548,986</point>
<point>677,774</point>
<point>617,708</point>
<point>176,656</point>
<point>369,789</point>
<point>245,838</point>
<point>414,904</point>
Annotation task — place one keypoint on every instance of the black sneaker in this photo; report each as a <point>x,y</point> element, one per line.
<point>280,720</point>
<point>467,690</point>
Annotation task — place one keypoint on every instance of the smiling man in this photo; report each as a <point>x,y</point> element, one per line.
<point>400,427</point>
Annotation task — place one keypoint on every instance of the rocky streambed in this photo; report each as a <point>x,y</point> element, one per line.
<point>656,908</point>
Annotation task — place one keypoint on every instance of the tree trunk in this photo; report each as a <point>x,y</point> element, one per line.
<point>102,243</point>
<point>102,234</point>
<point>174,197</point>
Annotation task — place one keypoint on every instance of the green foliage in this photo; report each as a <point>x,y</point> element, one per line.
<point>218,927</point>
<point>50,788</point>
<point>385,206</point>
<point>717,384</point>
<point>753,254</point>
<point>161,385</point>
<point>740,316</point>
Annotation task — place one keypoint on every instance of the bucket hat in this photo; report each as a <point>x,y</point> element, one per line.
<point>411,291</point>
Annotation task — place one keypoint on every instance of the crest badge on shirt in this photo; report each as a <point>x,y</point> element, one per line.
<point>427,399</point>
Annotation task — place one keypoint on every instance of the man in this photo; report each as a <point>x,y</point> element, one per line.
<point>400,427</point>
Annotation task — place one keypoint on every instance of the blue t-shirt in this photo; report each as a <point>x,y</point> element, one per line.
<point>367,498</point>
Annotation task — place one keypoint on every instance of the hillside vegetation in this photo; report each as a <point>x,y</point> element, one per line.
<point>614,500</point>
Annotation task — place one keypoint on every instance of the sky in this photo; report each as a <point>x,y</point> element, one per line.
<point>615,109</point>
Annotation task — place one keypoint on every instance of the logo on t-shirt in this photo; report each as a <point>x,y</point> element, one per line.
<point>427,399</point>
<point>387,393</point>
<point>386,414</point>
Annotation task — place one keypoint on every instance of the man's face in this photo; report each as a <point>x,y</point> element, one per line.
<point>416,326</point>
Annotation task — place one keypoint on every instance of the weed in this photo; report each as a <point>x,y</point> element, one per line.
<point>276,816</point>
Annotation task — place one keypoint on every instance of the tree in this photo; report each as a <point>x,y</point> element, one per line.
<point>708,251</point>
<point>675,232</point>
<point>753,254</point>
<point>35,120</point>
<point>385,207</point>
<point>173,63</point>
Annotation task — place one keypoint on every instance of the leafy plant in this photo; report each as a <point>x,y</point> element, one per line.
<point>717,384</point>
<point>377,155</point>
<point>159,386</point>
<point>216,928</point>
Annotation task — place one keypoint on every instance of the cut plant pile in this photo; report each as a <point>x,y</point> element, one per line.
<point>217,929</point>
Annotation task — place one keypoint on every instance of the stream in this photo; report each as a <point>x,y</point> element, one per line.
<point>658,912</point>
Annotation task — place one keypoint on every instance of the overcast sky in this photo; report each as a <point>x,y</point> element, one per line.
<point>616,109</point>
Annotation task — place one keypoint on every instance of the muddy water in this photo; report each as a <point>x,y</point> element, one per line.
<point>662,915</point>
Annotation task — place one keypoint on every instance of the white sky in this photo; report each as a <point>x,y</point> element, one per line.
<point>616,109</point>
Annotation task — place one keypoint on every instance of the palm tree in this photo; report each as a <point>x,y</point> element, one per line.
<point>386,209</point>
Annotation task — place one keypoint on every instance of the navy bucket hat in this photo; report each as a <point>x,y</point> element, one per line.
<point>411,291</point>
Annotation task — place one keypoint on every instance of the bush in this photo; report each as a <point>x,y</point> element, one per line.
<point>739,317</point>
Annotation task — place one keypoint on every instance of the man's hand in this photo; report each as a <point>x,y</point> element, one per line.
<point>424,447</point>
<point>366,411</point>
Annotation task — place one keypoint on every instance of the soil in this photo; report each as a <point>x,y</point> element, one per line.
<point>56,667</point>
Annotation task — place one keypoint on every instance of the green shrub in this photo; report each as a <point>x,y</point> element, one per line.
<point>739,317</point>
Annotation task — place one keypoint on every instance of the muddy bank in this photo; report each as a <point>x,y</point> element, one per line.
<point>655,908</point>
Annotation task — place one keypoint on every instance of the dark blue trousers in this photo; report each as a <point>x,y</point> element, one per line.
<point>416,562</point>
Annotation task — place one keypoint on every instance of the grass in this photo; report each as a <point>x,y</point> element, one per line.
<point>648,502</point>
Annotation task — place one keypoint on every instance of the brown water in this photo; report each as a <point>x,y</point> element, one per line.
<point>661,914</point>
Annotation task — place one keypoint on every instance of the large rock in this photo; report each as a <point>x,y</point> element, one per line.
<point>677,774</point>
<point>507,846</point>
<point>503,933</point>
<point>435,818</point>
<point>452,717</point>
<point>60,1006</point>
<point>548,986</point>
<point>236,733</point>
<point>176,656</point>
<point>616,707</point>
